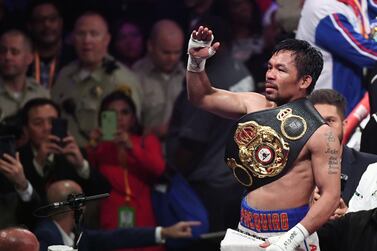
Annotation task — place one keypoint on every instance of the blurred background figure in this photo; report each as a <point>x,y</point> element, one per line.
<point>244,17</point>
<point>161,73</point>
<point>59,229</point>
<point>131,162</point>
<point>332,105</point>
<point>129,44</point>
<point>51,53</point>
<point>47,158</point>
<point>82,84</point>
<point>16,54</point>
<point>342,31</point>
<point>18,239</point>
<point>18,198</point>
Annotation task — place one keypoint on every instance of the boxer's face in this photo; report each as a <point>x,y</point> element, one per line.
<point>282,82</point>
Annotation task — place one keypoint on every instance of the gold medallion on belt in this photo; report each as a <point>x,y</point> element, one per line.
<point>262,151</point>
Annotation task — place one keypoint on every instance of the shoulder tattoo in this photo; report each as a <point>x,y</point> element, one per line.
<point>331,153</point>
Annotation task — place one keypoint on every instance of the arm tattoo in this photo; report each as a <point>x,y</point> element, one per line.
<point>332,153</point>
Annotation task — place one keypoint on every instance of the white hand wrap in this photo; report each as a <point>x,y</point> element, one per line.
<point>197,64</point>
<point>288,241</point>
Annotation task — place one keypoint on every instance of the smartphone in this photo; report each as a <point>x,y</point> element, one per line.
<point>59,128</point>
<point>7,145</point>
<point>108,124</point>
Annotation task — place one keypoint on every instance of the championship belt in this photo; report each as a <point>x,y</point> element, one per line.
<point>263,145</point>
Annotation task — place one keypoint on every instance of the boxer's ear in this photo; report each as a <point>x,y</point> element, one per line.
<point>305,82</point>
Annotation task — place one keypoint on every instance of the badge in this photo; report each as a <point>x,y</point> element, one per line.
<point>125,88</point>
<point>292,127</point>
<point>126,217</point>
<point>97,91</point>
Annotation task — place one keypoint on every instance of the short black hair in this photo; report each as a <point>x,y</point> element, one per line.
<point>17,32</point>
<point>329,97</point>
<point>122,96</point>
<point>32,103</point>
<point>308,60</point>
<point>93,13</point>
<point>38,3</point>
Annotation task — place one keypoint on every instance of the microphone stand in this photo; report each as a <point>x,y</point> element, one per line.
<point>76,206</point>
<point>75,202</point>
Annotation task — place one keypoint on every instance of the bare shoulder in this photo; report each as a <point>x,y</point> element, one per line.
<point>255,101</point>
<point>323,138</point>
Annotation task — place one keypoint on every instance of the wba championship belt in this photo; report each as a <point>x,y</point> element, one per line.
<point>263,145</point>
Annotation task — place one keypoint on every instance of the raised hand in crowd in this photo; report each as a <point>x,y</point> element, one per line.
<point>47,147</point>
<point>123,138</point>
<point>72,151</point>
<point>13,170</point>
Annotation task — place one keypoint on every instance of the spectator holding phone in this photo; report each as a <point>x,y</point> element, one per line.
<point>130,161</point>
<point>18,198</point>
<point>47,157</point>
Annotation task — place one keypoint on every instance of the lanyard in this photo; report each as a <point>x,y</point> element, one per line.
<point>122,156</point>
<point>51,72</point>
<point>127,187</point>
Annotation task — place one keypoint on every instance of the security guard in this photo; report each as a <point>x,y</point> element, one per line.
<point>15,88</point>
<point>82,84</point>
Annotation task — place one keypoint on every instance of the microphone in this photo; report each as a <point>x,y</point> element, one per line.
<point>74,201</point>
<point>77,200</point>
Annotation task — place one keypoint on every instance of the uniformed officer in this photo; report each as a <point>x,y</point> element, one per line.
<point>82,84</point>
<point>15,88</point>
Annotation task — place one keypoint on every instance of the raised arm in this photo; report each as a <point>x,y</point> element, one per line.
<point>200,91</point>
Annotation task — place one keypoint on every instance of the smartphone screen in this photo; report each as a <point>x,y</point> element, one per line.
<point>108,124</point>
<point>59,127</point>
<point>7,145</point>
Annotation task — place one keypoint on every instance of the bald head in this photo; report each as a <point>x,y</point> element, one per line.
<point>166,29</point>
<point>165,45</point>
<point>59,190</point>
<point>18,239</point>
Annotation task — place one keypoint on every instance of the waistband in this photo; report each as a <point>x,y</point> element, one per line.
<point>267,221</point>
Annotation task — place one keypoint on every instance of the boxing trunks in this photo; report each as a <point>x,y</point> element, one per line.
<point>263,145</point>
<point>257,225</point>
